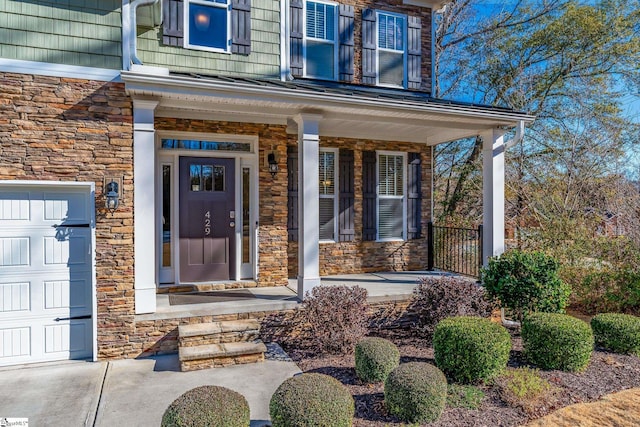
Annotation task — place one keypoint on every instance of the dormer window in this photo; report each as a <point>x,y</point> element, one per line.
<point>207,25</point>
<point>320,40</point>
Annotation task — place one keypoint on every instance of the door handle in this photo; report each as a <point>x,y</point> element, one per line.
<point>86,316</point>
<point>232,224</point>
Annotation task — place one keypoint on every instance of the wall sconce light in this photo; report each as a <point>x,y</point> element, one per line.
<point>112,196</point>
<point>273,164</point>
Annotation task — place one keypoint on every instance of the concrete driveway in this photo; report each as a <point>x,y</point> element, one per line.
<point>129,392</point>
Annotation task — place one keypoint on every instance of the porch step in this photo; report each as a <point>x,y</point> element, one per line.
<point>206,287</point>
<point>216,344</point>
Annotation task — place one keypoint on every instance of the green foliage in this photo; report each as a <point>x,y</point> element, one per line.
<point>436,298</point>
<point>333,319</point>
<point>524,388</point>
<point>526,282</point>
<point>464,396</point>
<point>609,290</point>
<point>208,406</point>
<point>471,349</point>
<point>619,333</point>
<point>311,400</point>
<point>557,341</point>
<point>416,392</point>
<point>375,359</point>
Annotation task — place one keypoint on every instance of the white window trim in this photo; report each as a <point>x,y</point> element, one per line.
<point>335,41</point>
<point>405,74</point>
<point>403,197</point>
<point>187,44</point>
<point>334,196</point>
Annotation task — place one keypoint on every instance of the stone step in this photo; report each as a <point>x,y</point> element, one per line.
<point>200,329</point>
<point>219,355</point>
<point>207,287</point>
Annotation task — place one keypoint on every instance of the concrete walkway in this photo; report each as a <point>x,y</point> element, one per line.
<point>129,392</point>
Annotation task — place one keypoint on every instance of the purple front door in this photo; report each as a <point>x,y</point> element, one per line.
<point>207,219</point>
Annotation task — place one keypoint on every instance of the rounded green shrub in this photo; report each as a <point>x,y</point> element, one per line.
<point>615,332</point>
<point>311,400</point>
<point>471,349</point>
<point>416,392</point>
<point>375,358</point>
<point>526,282</point>
<point>208,406</point>
<point>557,341</point>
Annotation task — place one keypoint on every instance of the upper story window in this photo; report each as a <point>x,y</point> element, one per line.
<point>391,196</point>
<point>392,51</point>
<point>327,185</point>
<point>207,25</point>
<point>320,40</point>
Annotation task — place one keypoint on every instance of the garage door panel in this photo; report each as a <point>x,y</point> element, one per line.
<point>15,342</point>
<point>14,206</point>
<point>15,296</point>
<point>46,274</point>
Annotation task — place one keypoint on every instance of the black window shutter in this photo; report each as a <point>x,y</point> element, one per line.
<point>241,27</point>
<point>346,226</point>
<point>292,192</point>
<point>369,206</point>
<point>414,199</point>
<point>414,55</point>
<point>172,29</point>
<point>369,66</point>
<point>297,32</point>
<point>345,35</point>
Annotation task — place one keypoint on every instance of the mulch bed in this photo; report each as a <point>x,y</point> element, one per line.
<point>606,373</point>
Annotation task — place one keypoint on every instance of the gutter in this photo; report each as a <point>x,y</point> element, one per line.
<point>191,86</point>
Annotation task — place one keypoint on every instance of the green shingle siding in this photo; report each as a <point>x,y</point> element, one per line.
<point>72,32</point>
<point>264,59</point>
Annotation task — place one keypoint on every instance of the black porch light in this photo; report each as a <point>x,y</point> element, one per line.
<point>112,197</point>
<point>273,164</point>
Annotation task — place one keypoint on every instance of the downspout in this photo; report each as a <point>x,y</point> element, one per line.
<point>284,40</point>
<point>133,28</point>
<point>517,137</point>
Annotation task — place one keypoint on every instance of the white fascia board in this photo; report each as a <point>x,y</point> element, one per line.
<point>58,70</point>
<point>157,85</point>
<point>431,4</point>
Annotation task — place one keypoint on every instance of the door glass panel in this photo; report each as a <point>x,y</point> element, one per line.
<point>166,215</point>
<point>207,177</point>
<point>218,178</point>
<point>194,174</point>
<point>246,226</point>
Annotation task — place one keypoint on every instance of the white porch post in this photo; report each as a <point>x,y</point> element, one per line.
<point>493,194</point>
<point>144,233</point>
<point>308,194</point>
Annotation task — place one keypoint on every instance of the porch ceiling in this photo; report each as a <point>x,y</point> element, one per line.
<point>346,111</point>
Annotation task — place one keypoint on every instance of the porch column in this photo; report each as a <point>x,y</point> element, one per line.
<point>493,194</point>
<point>308,205</point>
<point>144,234</point>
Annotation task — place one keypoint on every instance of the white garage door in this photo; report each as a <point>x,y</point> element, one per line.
<point>45,273</point>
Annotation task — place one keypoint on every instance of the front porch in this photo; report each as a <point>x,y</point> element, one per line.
<point>394,286</point>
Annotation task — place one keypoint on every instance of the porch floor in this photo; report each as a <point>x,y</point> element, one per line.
<point>384,286</point>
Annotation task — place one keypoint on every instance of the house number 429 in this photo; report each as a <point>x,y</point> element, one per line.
<point>207,223</point>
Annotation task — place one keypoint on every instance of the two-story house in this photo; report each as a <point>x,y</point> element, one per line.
<point>152,144</point>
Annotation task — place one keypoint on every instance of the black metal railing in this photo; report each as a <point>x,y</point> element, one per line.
<point>455,249</point>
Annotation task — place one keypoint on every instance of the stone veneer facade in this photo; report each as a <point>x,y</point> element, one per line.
<point>63,129</point>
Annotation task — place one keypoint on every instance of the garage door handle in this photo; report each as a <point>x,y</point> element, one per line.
<point>72,225</point>
<point>86,316</point>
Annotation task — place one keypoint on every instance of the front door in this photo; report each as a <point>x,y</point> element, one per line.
<point>207,219</point>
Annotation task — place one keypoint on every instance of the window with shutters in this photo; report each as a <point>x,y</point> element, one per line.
<point>391,179</point>
<point>392,34</point>
<point>328,181</point>
<point>320,42</point>
<point>207,25</point>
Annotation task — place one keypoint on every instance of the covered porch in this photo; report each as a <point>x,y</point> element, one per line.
<point>392,286</point>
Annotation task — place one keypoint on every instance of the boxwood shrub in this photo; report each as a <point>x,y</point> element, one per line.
<point>375,359</point>
<point>615,332</point>
<point>557,341</point>
<point>471,349</point>
<point>416,392</point>
<point>208,406</point>
<point>311,400</point>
